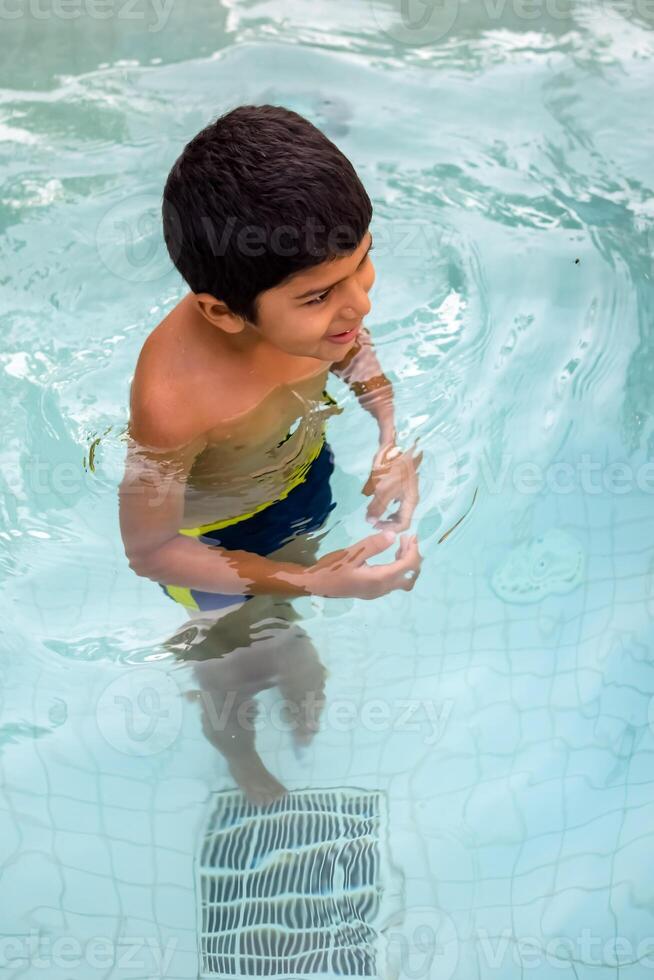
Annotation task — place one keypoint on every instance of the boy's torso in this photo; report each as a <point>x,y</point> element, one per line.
<point>262,416</point>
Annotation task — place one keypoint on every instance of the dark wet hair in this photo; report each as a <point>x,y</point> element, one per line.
<point>257,196</point>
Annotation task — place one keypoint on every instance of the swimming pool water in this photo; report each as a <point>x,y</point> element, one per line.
<point>503,709</point>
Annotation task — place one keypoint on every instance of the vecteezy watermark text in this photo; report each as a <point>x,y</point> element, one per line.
<point>586,474</point>
<point>587,948</point>
<point>417,23</point>
<point>376,715</point>
<point>42,952</point>
<point>130,243</point>
<point>140,713</point>
<point>398,238</point>
<point>154,13</point>
<point>427,947</point>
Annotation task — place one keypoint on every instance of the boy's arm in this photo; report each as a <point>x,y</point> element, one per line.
<point>362,372</point>
<point>393,476</point>
<point>151,499</point>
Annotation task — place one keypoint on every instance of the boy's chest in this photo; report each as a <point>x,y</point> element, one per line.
<point>263,414</point>
<point>258,445</point>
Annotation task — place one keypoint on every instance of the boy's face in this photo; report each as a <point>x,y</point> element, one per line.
<point>305,315</point>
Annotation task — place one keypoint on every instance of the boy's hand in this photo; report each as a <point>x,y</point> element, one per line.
<point>394,476</point>
<point>345,574</point>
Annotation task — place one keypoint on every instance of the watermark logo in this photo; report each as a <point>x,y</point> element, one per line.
<point>426,947</point>
<point>130,242</point>
<point>416,22</point>
<point>140,712</point>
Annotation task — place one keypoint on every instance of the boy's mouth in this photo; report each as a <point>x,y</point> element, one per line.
<point>346,336</point>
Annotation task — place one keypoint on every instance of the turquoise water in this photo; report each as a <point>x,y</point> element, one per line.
<point>502,711</point>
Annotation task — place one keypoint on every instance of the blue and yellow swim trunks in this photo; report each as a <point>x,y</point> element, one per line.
<point>304,507</point>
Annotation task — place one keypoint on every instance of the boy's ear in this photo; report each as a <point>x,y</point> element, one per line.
<point>218,313</point>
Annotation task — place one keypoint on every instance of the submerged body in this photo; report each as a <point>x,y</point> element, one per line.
<point>260,456</point>
<point>246,444</point>
<point>227,418</point>
<point>228,456</point>
<point>228,469</point>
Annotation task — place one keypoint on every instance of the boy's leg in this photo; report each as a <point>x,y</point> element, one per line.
<point>303,682</point>
<point>255,646</point>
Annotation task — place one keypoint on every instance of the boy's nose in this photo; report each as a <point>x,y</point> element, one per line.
<point>358,297</point>
<point>362,307</point>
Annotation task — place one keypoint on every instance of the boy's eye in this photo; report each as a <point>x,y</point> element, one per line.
<point>318,299</point>
<point>323,296</point>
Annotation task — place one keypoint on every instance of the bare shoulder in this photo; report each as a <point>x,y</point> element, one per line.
<point>166,406</point>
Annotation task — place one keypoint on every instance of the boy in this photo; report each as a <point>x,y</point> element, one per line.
<point>228,468</point>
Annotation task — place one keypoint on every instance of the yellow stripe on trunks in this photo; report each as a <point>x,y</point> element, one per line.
<point>181,594</point>
<point>295,479</point>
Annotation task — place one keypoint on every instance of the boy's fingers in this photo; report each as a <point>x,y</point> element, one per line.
<point>407,559</point>
<point>405,572</point>
<point>411,559</point>
<point>393,523</point>
<point>409,581</point>
<point>374,544</point>
<point>407,507</point>
<point>401,573</point>
<point>378,504</point>
<point>401,519</point>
